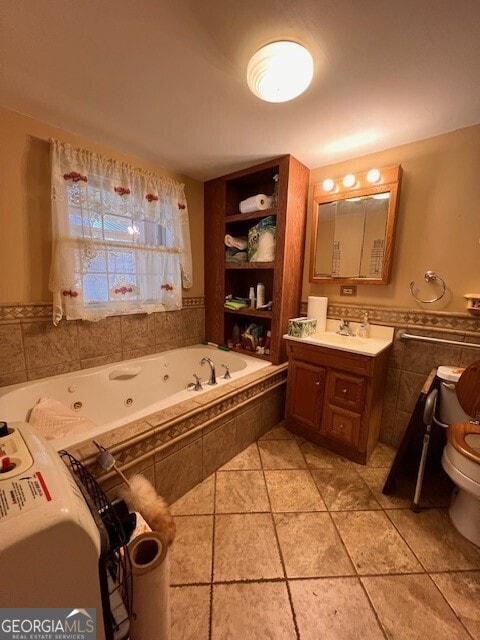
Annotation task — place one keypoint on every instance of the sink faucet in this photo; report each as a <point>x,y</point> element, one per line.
<point>213,378</point>
<point>344,328</point>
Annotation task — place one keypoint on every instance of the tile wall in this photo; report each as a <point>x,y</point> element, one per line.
<point>31,347</point>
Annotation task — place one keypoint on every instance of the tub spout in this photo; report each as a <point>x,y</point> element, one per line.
<point>209,361</point>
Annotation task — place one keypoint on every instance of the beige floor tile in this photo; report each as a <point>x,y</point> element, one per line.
<point>293,490</point>
<point>246,548</point>
<point>241,492</point>
<point>248,459</point>
<point>374,544</point>
<point>281,454</point>
<point>191,553</point>
<point>252,611</point>
<point>310,546</point>
<point>462,592</point>
<point>411,607</point>
<point>190,611</point>
<point>434,540</point>
<point>197,501</point>
<point>320,458</point>
<point>382,456</point>
<point>400,497</point>
<point>278,433</point>
<point>333,609</point>
<point>344,489</point>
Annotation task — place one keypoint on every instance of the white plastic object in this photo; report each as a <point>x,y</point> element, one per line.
<point>260,295</point>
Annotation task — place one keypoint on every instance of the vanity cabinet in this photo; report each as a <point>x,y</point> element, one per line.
<point>282,277</point>
<point>335,397</point>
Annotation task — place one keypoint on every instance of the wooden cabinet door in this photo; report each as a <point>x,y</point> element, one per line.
<point>342,425</point>
<point>305,390</point>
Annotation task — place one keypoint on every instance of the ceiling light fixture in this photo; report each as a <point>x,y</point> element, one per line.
<point>280,71</point>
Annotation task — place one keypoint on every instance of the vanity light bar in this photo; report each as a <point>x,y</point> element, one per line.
<point>350,180</point>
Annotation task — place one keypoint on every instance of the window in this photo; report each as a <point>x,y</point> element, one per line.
<point>121,241</point>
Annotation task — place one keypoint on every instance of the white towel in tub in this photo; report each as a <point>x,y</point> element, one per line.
<point>53,419</point>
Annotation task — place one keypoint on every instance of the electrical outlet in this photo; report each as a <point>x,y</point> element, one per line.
<point>348,290</point>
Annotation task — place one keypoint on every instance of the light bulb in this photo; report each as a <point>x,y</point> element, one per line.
<point>349,180</point>
<point>373,176</point>
<point>328,184</point>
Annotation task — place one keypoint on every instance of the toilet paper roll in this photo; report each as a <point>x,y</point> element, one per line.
<point>317,308</point>
<point>255,203</point>
<point>151,580</point>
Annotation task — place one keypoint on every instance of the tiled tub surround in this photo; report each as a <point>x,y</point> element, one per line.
<point>109,396</point>
<point>178,447</point>
<point>31,347</point>
<point>411,362</point>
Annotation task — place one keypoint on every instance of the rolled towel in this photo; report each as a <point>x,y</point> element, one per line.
<point>238,243</point>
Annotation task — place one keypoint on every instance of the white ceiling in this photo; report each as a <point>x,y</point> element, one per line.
<point>165,79</point>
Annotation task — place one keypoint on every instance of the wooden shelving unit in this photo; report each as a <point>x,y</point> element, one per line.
<point>283,277</point>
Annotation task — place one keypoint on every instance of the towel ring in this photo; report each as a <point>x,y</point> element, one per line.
<point>430,276</point>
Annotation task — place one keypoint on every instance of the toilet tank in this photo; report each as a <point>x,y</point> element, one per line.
<point>448,407</point>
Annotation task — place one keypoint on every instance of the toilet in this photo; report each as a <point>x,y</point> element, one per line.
<point>459,401</point>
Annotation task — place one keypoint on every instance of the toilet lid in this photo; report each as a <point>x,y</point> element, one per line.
<point>468,390</point>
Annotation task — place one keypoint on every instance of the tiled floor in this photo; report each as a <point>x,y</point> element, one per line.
<point>289,540</point>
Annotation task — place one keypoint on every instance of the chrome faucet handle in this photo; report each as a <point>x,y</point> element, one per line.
<point>227,375</point>
<point>198,383</point>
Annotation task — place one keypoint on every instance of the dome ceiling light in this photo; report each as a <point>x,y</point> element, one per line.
<point>280,71</point>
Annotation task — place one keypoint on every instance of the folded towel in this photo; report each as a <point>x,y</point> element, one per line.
<point>53,419</point>
<point>238,256</point>
<point>238,243</point>
<point>234,306</point>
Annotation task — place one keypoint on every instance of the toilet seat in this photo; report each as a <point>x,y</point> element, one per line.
<point>456,434</point>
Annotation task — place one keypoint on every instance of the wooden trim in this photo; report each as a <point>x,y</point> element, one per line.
<point>391,180</point>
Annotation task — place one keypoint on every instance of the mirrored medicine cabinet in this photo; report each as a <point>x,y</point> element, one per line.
<point>353,227</point>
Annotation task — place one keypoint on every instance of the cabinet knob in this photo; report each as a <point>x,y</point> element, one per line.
<point>341,426</point>
<point>318,383</point>
<point>344,391</point>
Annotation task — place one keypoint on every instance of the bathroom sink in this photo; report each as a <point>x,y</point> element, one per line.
<point>380,338</point>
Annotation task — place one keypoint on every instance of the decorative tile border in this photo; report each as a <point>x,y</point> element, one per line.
<point>398,317</point>
<point>130,452</point>
<point>43,310</point>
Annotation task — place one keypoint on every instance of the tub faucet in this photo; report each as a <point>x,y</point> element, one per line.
<point>344,329</point>
<point>213,378</point>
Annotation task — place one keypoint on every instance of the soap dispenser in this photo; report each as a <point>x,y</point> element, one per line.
<point>364,330</point>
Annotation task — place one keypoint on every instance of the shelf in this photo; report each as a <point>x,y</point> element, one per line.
<point>262,356</point>
<point>256,313</point>
<point>252,215</point>
<point>282,277</point>
<point>249,265</point>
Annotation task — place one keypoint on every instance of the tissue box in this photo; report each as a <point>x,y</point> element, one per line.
<point>302,327</point>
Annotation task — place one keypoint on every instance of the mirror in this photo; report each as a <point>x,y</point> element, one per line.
<point>354,227</point>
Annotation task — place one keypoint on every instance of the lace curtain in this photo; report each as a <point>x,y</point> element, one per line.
<point>121,240</point>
